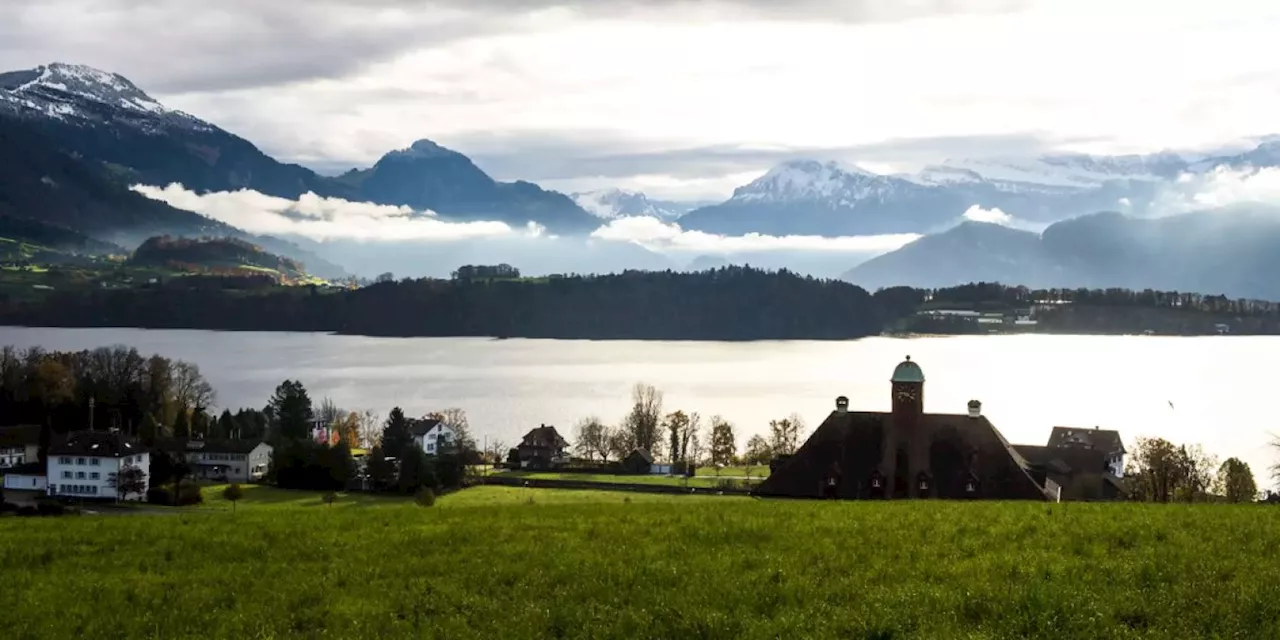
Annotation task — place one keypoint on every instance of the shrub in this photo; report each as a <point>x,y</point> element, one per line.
<point>159,495</point>
<point>425,497</point>
<point>28,510</point>
<point>233,493</point>
<point>329,498</point>
<point>50,509</point>
<point>189,495</point>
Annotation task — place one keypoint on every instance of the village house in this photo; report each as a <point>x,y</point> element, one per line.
<point>640,461</point>
<point>907,453</point>
<point>240,461</point>
<point>24,484</point>
<point>19,445</point>
<point>432,436</point>
<point>542,448</point>
<point>85,464</point>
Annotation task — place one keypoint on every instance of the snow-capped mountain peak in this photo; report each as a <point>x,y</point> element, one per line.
<point>609,204</point>
<point>60,90</point>
<point>836,183</point>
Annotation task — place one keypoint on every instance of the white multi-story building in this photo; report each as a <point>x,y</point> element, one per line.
<point>433,436</point>
<point>86,464</point>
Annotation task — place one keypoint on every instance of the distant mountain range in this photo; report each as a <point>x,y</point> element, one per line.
<point>106,121</point>
<point>807,197</point>
<point>73,139</point>
<point>1233,251</point>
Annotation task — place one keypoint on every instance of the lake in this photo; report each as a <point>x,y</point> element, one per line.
<point>1215,391</point>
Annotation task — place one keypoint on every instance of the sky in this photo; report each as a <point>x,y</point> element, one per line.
<point>682,99</point>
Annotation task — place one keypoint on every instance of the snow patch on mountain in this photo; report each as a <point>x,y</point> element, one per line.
<point>72,91</point>
<point>610,204</point>
<point>810,180</point>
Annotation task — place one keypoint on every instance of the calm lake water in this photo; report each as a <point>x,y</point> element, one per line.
<point>1221,388</point>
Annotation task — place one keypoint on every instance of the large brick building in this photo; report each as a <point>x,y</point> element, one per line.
<point>908,453</point>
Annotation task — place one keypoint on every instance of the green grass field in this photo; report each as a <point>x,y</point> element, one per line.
<point>522,563</point>
<point>696,481</point>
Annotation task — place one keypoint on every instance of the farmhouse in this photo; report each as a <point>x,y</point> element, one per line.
<point>19,445</point>
<point>432,436</point>
<point>907,453</point>
<point>542,448</point>
<point>86,464</point>
<point>222,460</point>
<point>640,461</point>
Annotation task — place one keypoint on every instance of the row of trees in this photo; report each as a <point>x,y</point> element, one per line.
<point>992,292</point>
<point>1160,471</point>
<point>679,437</point>
<point>109,387</point>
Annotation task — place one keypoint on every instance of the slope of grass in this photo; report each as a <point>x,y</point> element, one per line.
<point>520,563</point>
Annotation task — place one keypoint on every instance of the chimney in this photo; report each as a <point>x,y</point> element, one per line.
<point>842,405</point>
<point>975,409</point>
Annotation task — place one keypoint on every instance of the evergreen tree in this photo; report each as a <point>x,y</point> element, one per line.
<point>381,473</point>
<point>415,471</point>
<point>342,467</point>
<point>227,427</point>
<point>395,435</point>
<point>182,425</point>
<point>150,429</point>
<point>200,423</point>
<point>290,408</point>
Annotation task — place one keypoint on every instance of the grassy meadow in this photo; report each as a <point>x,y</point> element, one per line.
<point>524,563</point>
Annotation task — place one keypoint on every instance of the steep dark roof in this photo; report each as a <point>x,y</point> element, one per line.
<point>19,435</point>
<point>1107,440</point>
<point>644,455</point>
<point>186,445</point>
<point>544,436</point>
<point>28,469</point>
<point>848,447</point>
<point>1081,471</point>
<point>102,444</point>
<point>421,427</point>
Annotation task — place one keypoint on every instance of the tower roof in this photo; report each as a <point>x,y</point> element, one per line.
<point>907,371</point>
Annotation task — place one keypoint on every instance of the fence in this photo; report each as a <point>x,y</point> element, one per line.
<point>538,483</point>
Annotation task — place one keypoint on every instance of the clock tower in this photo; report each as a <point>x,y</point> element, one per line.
<point>904,443</point>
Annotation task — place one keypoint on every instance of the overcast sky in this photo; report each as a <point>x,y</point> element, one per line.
<point>682,98</point>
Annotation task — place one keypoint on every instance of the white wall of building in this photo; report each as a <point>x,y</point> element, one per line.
<point>439,437</point>
<point>15,482</point>
<point>91,476</point>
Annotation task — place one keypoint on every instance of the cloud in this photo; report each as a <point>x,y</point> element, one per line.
<point>183,45</point>
<point>1222,187</point>
<point>655,235</point>
<point>993,215</point>
<point>323,219</point>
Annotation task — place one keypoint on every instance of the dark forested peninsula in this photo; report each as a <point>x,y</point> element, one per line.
<point>731,303</point>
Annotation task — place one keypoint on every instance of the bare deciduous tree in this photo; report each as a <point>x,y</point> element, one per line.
<point>645,418</point>
<point>591,439</point>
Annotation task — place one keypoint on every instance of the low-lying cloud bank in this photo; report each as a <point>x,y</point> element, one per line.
<point>655,235</point>
<point>324,219</point>
<point>334,219</point>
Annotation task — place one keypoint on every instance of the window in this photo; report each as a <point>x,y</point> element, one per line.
<point>64,460</point>
<point>93,462</point>
<point>66,475</point>
<point>80,475</point>
<point>94,475</point>
<point>80,462</point>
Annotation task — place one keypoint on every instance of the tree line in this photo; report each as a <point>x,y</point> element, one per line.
<point>679,438</point>
<point>1161,471</point>
<point>729,303</point>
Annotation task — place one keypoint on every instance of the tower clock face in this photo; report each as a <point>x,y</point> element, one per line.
<point>906,395</point>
